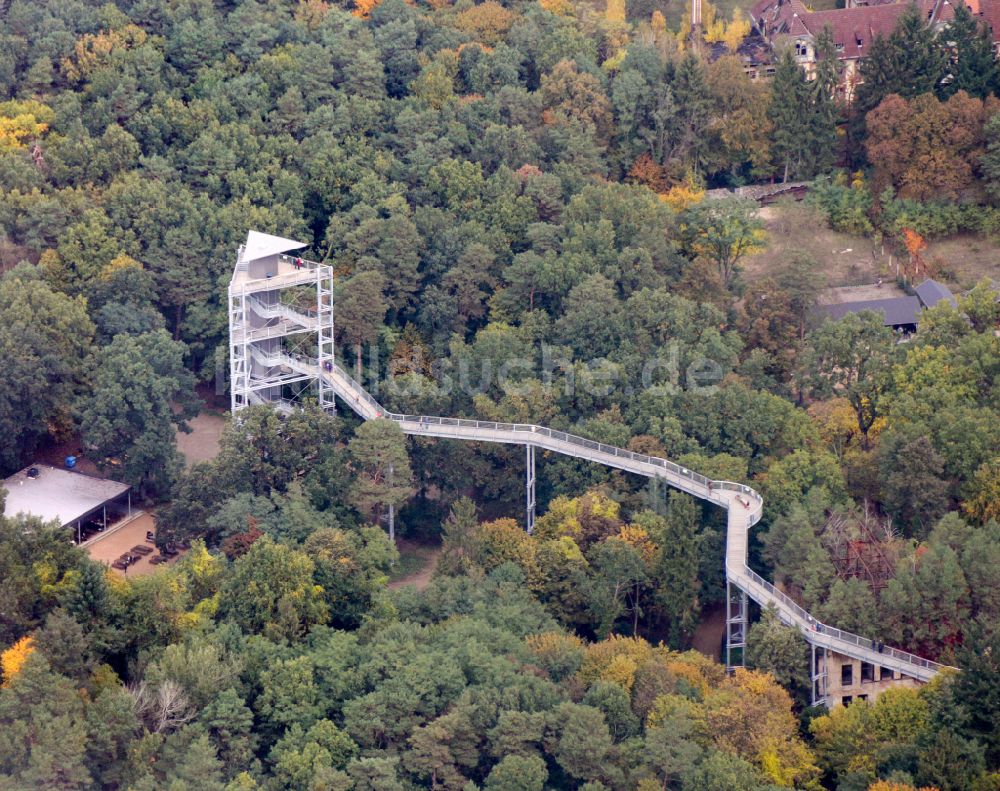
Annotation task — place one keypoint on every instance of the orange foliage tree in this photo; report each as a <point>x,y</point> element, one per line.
<point>364,8</point>
<point>915,244</point>
<point>646,170</point>
<point>926,148</point>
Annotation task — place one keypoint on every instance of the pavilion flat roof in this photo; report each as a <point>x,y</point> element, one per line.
<point>58,495</point>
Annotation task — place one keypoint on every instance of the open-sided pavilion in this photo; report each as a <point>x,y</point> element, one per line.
<point>69,498</point>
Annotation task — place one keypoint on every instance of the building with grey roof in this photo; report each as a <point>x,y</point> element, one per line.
<point>900,313</point>
<point>69,498</point>
<point>930,292</point>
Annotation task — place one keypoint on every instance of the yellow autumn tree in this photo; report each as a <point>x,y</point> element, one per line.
<point>588,518</point>
<point>637,538</point>
<point>13,659</point>
<point>615,12</point>
<point>93,50</point>
<point>737,29</point>
<point>984,502</point>
<point>22,122</point>
<point>116,264</point>
<point>615,659</point>
<point>683,196</point>
<point>672,705</point>
<point>708,17</point>
<point>837,423</point>
<point>202,571</point>
<point>716,31</point>
<point>488,21</point>
<point>750,715</point>
<point>504,541</point>
<point>557,7</point>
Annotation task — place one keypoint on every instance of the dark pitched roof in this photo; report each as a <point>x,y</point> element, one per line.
<point>755,50</point>
<point>854,29</point>
<point>930,292</point>
<point>896,310</point>
<point>773,17</point>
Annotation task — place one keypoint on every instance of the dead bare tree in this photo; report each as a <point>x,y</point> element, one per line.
<point>863,545</point>
<point>162,708</point>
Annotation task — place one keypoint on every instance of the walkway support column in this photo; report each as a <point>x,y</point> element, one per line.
<point>819,675</point>
<point>736,627</point>
<point>392,513</point>
<point>529,487</point>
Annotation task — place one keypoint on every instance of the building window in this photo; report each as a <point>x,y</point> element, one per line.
<point>846,675</point>
<point>867,672</point>
<point>846,700</point>
<point>840,47</point>
<point>884,674</point>
<point>801,49</point>
<point>863,697</point>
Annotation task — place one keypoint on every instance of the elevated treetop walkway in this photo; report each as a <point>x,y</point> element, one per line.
<point>255,359</point>
<point>742,503</point>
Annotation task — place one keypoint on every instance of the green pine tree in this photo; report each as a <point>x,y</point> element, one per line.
<point>909,62</point>
<point>382,468</point>
<point>825,113</point>
<point>790,143</point>
<point>972,67</point>
<point>694,108</point>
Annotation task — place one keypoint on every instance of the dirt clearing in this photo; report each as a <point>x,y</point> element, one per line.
<point>416,566</point>
<point>202,444</point>
<point>797,230</point>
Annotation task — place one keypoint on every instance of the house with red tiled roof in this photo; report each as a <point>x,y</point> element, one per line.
<point>790,23</point>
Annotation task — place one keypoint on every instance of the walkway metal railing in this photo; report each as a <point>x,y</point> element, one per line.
<point>821,629</point>
<point>737,572</point>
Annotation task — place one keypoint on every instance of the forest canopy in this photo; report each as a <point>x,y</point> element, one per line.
<point>514,199</point>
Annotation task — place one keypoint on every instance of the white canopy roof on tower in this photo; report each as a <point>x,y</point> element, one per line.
<point>261,245</point>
